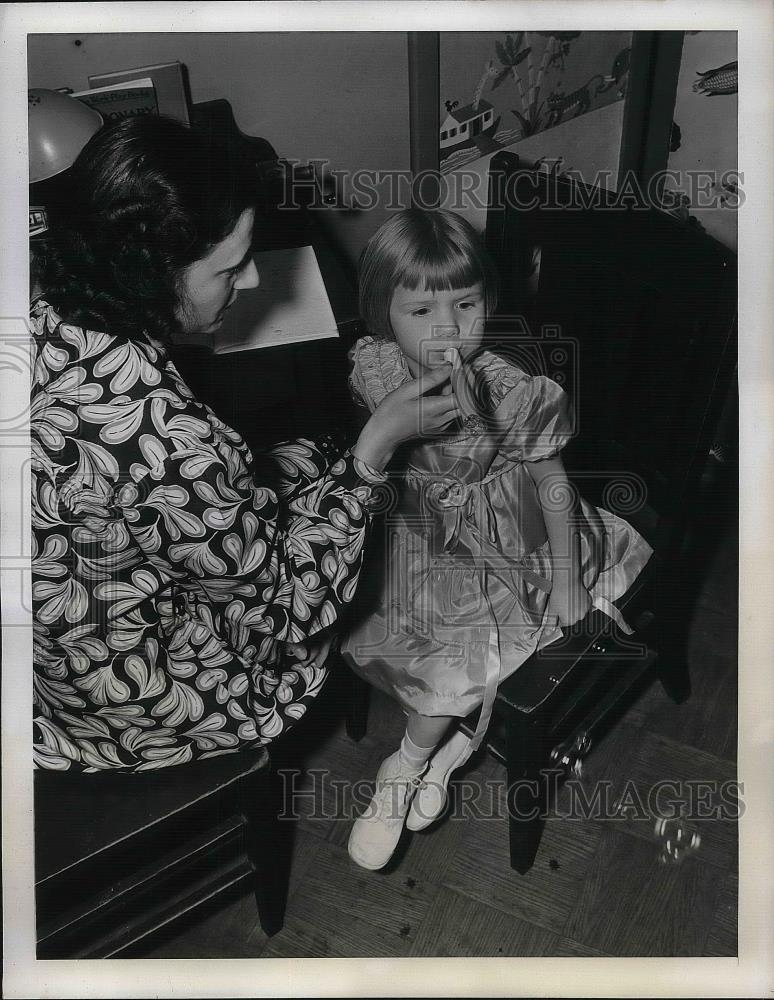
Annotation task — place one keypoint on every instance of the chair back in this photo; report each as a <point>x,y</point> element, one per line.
<point>634,312</point>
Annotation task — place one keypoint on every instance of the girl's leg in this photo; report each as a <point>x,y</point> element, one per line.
<point>427,731</point>
<point>376,833</point>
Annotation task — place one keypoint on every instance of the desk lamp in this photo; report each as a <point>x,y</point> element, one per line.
<point>59,127</point>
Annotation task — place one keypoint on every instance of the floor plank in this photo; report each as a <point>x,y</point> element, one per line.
<point>456,925</point>
<point>723,936</point>
<point>568,948</point>
<point>349,911</point>
<point>698,781</point>
<point>708,721</point>
<point>545,894</point>
<point>426,855</point>
<point>666,910</point>
<point>328,795</point>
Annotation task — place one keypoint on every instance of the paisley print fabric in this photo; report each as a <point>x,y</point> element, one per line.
<point>166,579</point>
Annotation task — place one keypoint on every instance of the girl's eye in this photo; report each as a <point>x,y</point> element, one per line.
<point>421,312</point>
<point>467,305</point>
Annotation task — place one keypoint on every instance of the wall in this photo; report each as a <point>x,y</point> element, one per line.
<point>344,97</point>
<point>706,142</point>
<point>340,96</point>
<point>536,83</point>
<point>588,147</point>
<point>703,154</point>
<point>591,64</point>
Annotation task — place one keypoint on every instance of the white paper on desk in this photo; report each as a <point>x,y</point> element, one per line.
<point>290,305</point>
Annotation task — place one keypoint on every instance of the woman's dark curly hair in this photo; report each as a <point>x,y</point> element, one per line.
<point>146,197</point>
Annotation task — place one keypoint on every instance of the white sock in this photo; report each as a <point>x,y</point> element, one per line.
<point>452,750</point>
<point>413,756</point>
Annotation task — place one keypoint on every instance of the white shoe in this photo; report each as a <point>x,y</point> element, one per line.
<point>376,833</point>
<point>430,800</point>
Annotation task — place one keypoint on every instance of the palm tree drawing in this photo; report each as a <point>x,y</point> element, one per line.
<point>559,43</point>
<point>490,71</point>
<point>511,54</point>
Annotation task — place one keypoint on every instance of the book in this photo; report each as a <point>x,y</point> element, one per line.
<point>38,220</point>
<point>121,100</point>
<point>168,80</point>
<point>289,306</point>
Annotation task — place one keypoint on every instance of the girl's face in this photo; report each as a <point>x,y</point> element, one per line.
<point>210,285</point>
<point>426,323</point>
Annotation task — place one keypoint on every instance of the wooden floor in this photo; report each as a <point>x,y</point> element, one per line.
<point>597,887</point>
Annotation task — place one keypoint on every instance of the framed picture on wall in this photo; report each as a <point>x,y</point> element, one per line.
<point>516,90</point>
<point>596,104</point>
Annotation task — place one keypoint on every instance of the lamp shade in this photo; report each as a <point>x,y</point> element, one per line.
<point>59,128</point>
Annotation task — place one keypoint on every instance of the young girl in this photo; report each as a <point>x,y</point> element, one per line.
<point>485,559</point>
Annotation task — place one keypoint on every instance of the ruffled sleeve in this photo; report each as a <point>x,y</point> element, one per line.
<point>539,421</point>
<point>378,367</point>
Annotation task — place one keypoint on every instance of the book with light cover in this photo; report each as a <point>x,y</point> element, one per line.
<point>168,81</point>
<point>122,100</point>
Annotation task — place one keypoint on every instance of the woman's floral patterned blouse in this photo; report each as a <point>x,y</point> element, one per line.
<point>166,577</point>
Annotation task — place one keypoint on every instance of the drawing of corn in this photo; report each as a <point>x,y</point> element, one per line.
<point>723,80</point>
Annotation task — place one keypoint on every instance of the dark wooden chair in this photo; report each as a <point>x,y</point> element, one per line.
<point>634,313</point>
<point>122,858</point>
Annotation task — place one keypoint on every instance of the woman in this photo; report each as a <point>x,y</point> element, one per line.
<point>169,585</point>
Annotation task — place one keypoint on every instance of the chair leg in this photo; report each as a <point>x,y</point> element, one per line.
<point>269,848</point>
<point>357,706</point>
<point>672,665</point>
<point>674,675</point>
<point>673,601</point>
<point>527,763</point>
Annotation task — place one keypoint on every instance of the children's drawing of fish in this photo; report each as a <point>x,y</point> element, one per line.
<point>723,80</point>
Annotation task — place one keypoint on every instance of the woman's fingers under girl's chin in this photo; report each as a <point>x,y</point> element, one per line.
<point>449,408</point>
<point>432,379</point>
<point>448,417</point>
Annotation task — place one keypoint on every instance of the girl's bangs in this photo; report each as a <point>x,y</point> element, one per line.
<point>439,272</point>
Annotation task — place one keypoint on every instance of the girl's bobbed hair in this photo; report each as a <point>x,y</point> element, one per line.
<point>421,248</point>
<point>146,198</point>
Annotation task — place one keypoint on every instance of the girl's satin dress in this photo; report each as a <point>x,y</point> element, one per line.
<point>455,588</point>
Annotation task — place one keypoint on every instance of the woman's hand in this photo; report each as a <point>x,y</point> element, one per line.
<point>407,412</point>
<point>313,652</point>
<point>569,601</point>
